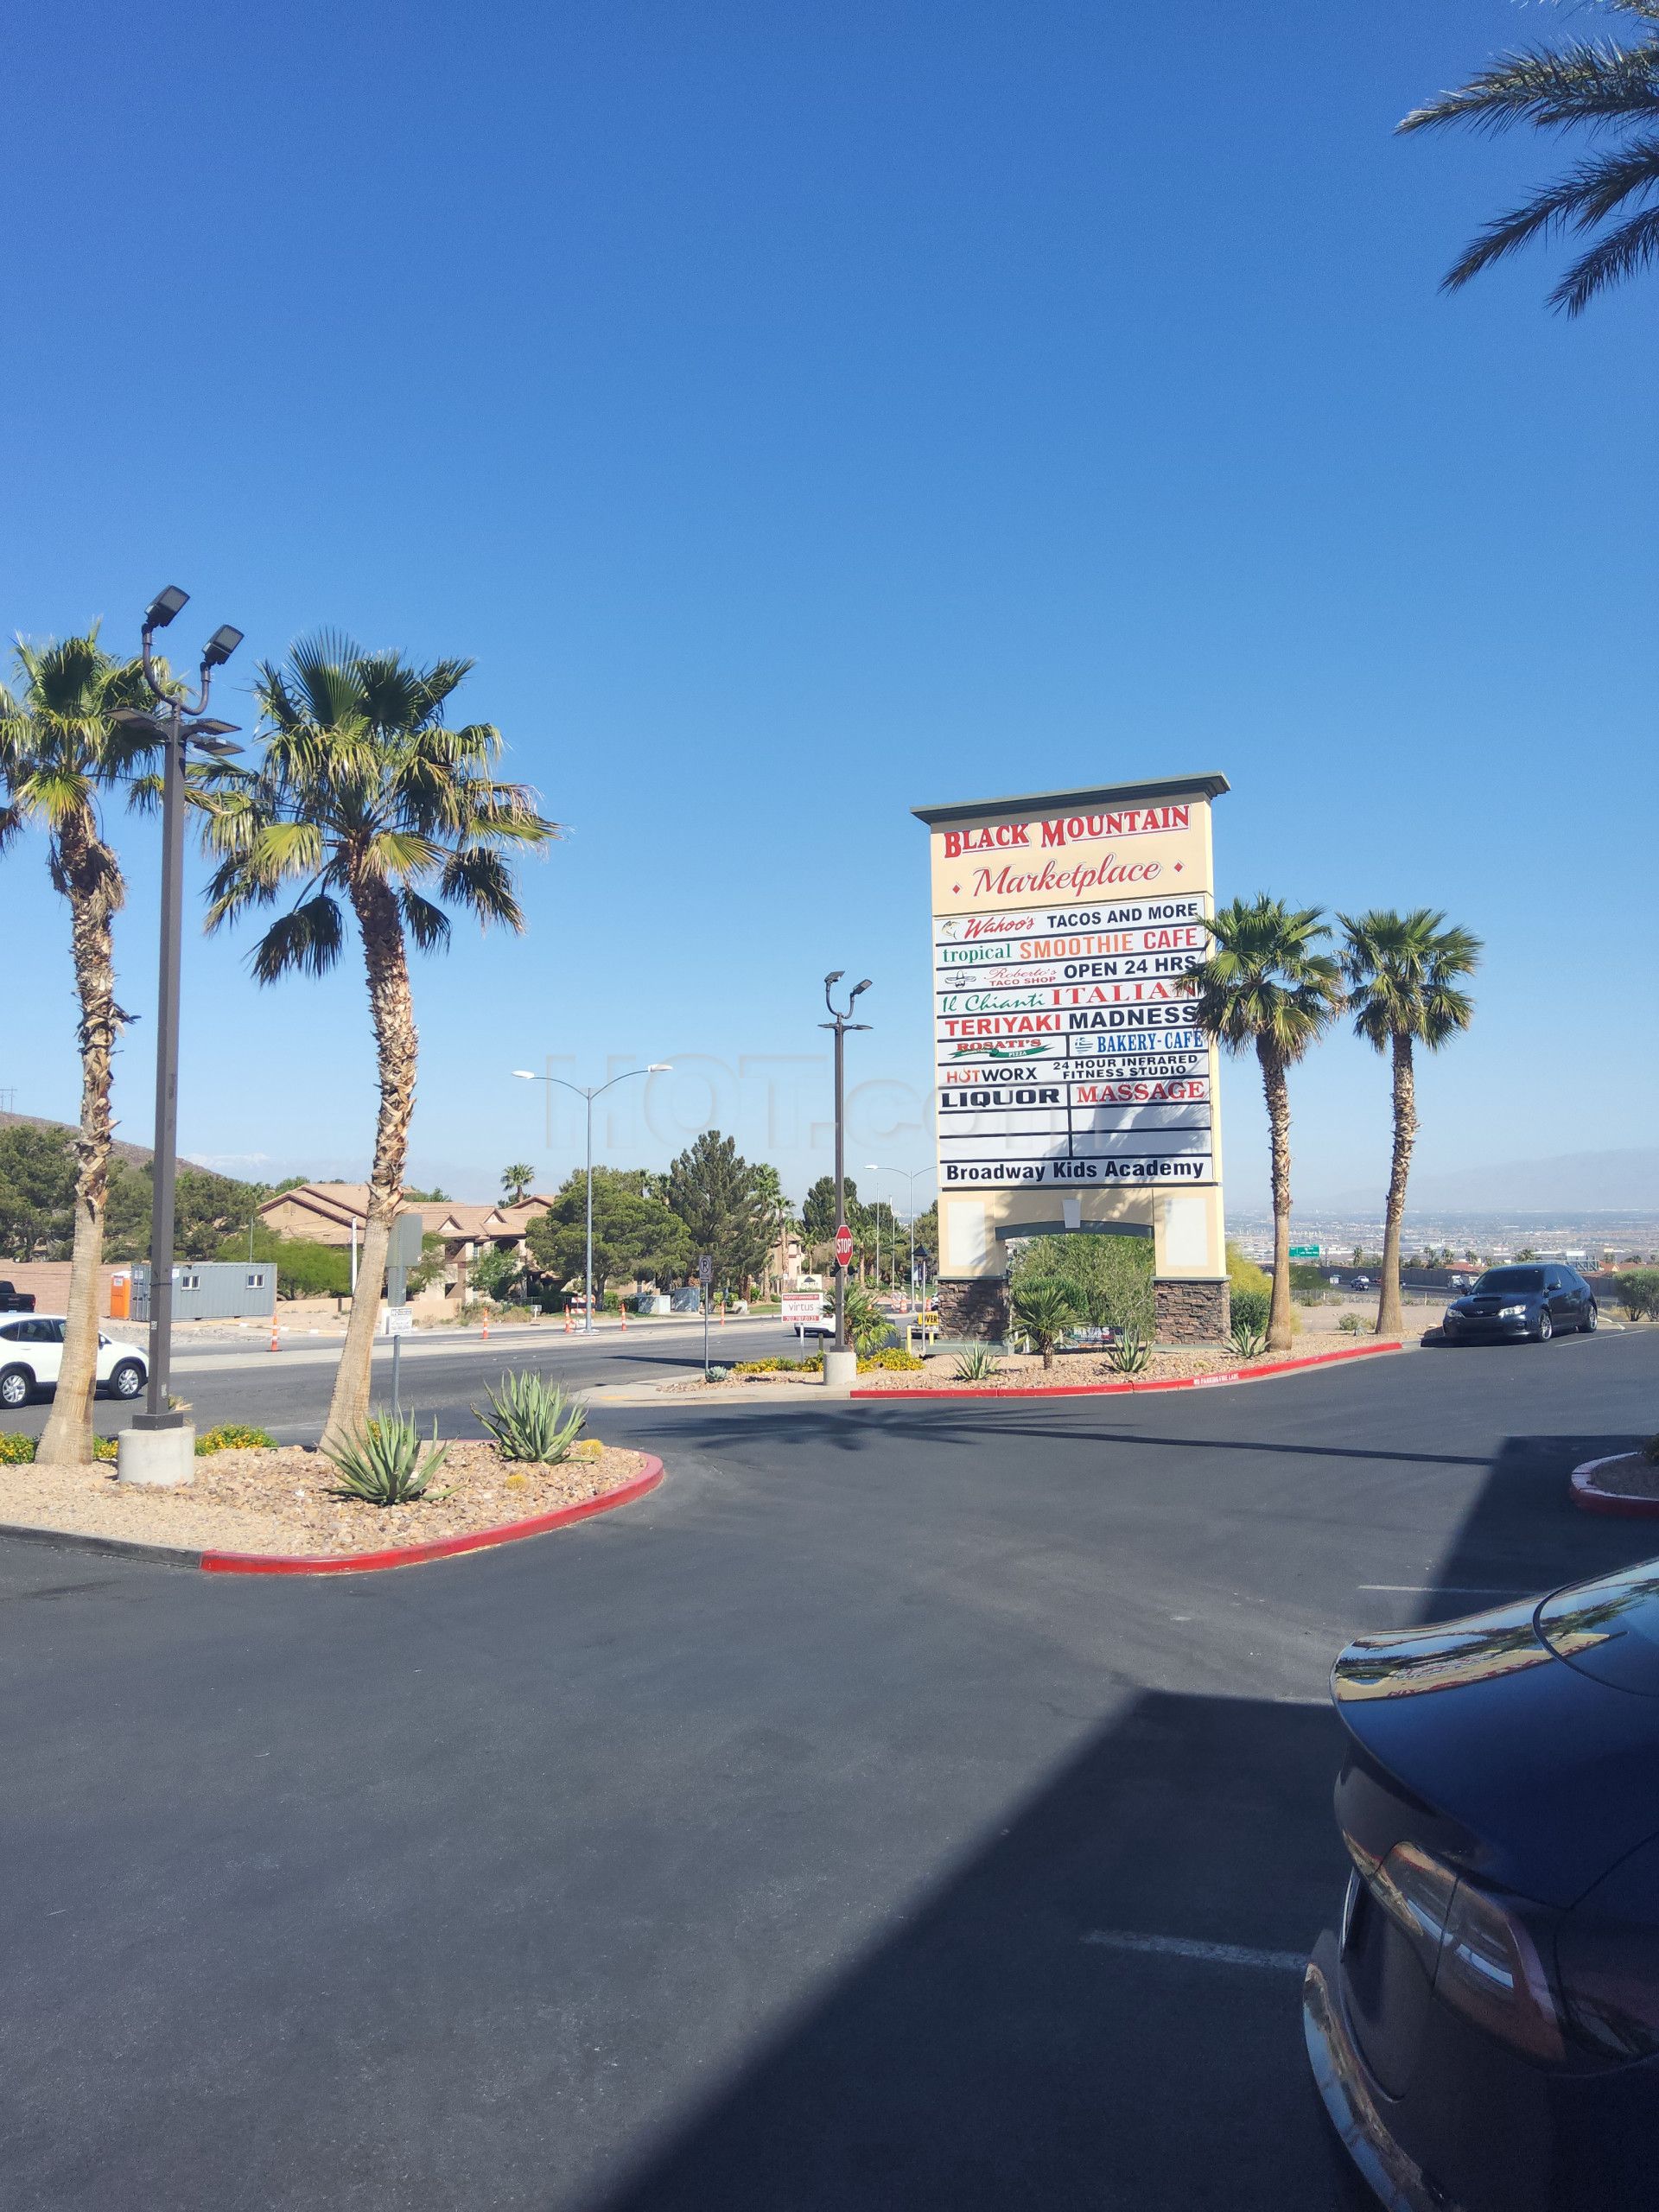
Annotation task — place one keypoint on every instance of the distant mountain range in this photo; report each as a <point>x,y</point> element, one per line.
<point>1571,1182</point>
<point>135,1155</point>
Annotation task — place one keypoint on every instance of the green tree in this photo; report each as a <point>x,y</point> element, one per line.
<point>1610,93</point>
<point>1110,1278</point>
<point>516,1181</point>
<point>712,1188</point>
<point>1266,987</point>
<point>63,751</point>
<point>635,1235</point>
<point>1046,1306</point>
<point>776,1213</point>
<point>818,1209</point>
<point>37,1191</point>
<point>366,799</point>
<point>1404,975</point>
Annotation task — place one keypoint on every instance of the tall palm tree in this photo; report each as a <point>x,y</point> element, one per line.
<point>1403,972</point>
<point>1589,85</point>
<point>366,798</point>
<point>516,1181</point>
<point>62,751</point>
<point>1266,987</point>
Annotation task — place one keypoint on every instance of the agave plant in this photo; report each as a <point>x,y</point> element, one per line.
<point>381,1462</point>
<point>977,1364</point>
<point>531,1418</point>
<point>1248,1343</point>
<point>1129,1354</point>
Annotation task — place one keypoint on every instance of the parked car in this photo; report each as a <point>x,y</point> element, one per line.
<point>31,1353</point>
<point>1509,1303</point>
<point>13,1301</point>
<point>1484,2022</point>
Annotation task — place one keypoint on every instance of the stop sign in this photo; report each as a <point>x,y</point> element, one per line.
<point>843,1246</point>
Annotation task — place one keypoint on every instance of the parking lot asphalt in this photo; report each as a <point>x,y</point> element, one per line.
<point>904,1807</point>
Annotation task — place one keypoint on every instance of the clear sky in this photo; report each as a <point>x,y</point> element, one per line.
<point>801,412</point>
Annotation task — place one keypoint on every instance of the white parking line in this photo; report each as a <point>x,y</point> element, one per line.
<point>1183,1947</point>
<point>1448,1589</point>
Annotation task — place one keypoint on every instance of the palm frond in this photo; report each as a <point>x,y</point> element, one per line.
<point>307,939</point>
<point>1584,197</point>
<point>1622,253</point>
<point>428,925</point>
<point>1584,81</point>
<point>480,878</point>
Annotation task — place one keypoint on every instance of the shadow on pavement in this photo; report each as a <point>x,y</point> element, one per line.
<point>988,2055</point>
<point>1523,1533</point>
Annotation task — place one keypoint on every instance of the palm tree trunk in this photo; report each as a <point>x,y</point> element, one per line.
<point>1391,1312</point>
<point>397,1046</point>
<point>1279,1333</point>
<point>86,871</point>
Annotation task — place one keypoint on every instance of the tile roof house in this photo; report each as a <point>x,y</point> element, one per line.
<point>322,1213</point>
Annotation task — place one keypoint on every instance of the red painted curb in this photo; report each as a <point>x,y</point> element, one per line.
<point>1590,1498</point>
<point>1176,1382</point>
<point>510,1532</point>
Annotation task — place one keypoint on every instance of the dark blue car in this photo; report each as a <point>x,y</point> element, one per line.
<point>1538,1301</point>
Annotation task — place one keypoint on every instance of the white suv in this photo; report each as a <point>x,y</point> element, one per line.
<point>31,1353</point>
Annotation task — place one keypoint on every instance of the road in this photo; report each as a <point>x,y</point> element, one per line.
<point>286,1392</point>
<point>789,1842</point>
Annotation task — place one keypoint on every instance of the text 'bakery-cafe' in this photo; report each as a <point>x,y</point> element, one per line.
<point>1075,1094</point>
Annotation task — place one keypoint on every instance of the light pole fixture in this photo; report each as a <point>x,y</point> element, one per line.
<point>176,725</point>
<point>841,1023</point>
<point>874,1168</point>
<point>524,1075</point>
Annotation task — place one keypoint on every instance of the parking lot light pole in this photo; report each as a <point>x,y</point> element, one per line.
<point>177,726</point>
<point>656,1067</point>
<point>841,1023</point>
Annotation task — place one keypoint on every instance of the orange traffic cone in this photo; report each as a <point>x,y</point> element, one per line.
<point>275,1345</point>
<point>484,1333</point>
<point>566,1320</point>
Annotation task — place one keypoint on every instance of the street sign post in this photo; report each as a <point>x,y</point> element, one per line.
<point>705,1277</point>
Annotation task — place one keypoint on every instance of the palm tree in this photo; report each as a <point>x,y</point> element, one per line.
<point>365,797</point>
<point>1402,972</point>
<point>62,748</point>
<point>1266,987</point>
<point>1589,85</point>
<point>516,1181</point>
<point>1046,1307</point>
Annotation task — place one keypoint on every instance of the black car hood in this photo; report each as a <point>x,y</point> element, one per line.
<point>1489,1302</point>
<point>1531,1772</point>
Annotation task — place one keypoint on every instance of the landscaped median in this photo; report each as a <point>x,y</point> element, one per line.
<point>1626,1483</point>
<point>278,1511</point>
<point>1022,1376</point>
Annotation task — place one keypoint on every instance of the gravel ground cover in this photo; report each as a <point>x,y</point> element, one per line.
<point>281,1500</point>
<point>1632,1475</point>
<point>1026,1372</point>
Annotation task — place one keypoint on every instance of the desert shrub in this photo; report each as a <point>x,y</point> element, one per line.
<point>1129,1355</point>
<point>776,1366</point>
<point>1250,1308</point>
<point>1638,1293</point>
<point>531,1418</point>
<point>1247,1343</point>
<point>1109,1277</point>
<point>15,1451</point>
<point>717,1374</point>
<point>892,1357</point>
<point>1353,1325</point>
<point>868,1324</point>
<point>234,1436</point>
<point>382,1465</point>
<point>103,1448</point>
<point>977,1364</point>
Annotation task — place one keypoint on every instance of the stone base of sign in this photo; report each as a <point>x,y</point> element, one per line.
<point>976,1307</point>
<point>1191,1313</point>
<point>840,1369</point>
<point>161,1459</point>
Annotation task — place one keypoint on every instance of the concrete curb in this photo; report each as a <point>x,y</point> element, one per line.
<point>1590,1498</point>
<point>215,1562</point>
<point>1116,1389</point>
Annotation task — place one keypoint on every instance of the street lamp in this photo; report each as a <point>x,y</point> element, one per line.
<point>841,1023</point>
<point>656,1067</point>
<point>176,725</point>
<point>874,1168</point>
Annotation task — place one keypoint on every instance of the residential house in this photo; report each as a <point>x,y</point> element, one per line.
<point>322,1213</point>
<point>468,1231</point>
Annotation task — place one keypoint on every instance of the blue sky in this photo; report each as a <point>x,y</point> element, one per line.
<point>804,411</point>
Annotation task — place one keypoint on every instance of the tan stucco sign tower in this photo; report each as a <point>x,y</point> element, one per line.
<point>1073,1090</point>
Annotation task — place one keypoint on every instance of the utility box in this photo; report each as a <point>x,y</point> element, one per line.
<point>212,1290</point>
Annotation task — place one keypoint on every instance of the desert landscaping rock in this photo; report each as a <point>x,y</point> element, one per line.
<point>282,1501</point>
